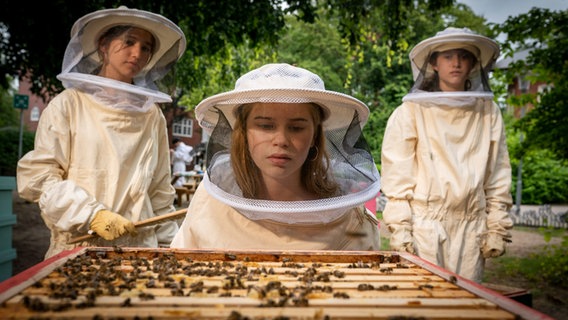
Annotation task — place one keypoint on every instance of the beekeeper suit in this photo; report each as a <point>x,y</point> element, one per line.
<point>219,216</point>
<point>101,145</point>
<point>445,164</point>
<point>181,156</point>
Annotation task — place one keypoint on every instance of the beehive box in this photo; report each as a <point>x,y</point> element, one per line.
<point>128,283</point>
<point>7,221</point>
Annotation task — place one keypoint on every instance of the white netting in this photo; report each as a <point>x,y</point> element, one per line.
<point>483,49</point>
<point>81,59</point>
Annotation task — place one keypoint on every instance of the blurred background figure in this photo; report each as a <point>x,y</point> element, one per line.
<point>182,156</point>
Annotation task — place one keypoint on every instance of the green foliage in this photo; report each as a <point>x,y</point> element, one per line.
<point>356,17</point>
<point>317,47</point>
<point>544,173</point>
<point>208,25</point>
<point>9,144</point>
<point>544,34</point>
<point>552,265</point>
<point>380,72</point>
<point>9,116</point>
<point>219,72</point>
<point>545,177</point>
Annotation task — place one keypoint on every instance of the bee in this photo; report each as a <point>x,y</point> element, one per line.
<point>365,287</point>
<point>339,274</point>
<point>425,286</point>
<point>341,295</point>
<point>387,270</point>
<point>126,303</point>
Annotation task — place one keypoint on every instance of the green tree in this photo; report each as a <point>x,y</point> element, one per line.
<point>221,70</point>
<point>545,34</point>
<point>367,66</point>
<point>9,116</point>
<point>9,148</point>
<point>209,25</point>
<point>32,42</point>
<point>380,73</point>
<point>317,47</point>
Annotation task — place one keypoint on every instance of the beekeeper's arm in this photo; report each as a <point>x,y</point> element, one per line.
<point>398,178</point>
<point>41,176</point>
<point>497,192</point>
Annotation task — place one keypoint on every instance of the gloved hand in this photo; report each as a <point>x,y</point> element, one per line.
<point>407,247</point>
<point>493,244</point>
<point>401,238</point>
<point>109,225</point>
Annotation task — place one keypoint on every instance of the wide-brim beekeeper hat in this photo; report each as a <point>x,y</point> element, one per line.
<point>485,49</point>
<point>281,83</point>
<point>350,162</point>
<point>81,55</point>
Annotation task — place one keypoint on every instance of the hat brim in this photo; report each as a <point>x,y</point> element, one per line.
<point>488,49</point>
<point>340,108</point>
<point>165,32</point>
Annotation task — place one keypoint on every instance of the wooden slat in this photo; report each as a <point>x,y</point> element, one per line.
<point>221,312</point>
<point>233,302</point>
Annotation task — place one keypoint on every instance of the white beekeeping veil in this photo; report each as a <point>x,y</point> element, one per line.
<point>485,51</point>
<point>82,60</point>
<point>351,163</point>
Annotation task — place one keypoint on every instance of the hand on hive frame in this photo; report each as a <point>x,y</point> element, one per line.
<point>401,238</point>
<point>109,225</point>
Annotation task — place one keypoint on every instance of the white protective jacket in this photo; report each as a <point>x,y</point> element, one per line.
<point>447,176</point>
<point>180,158</point>
<point>89,157</point>
<point>211,224</point>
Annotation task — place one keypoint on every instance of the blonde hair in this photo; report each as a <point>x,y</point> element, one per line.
<point>315,168</point>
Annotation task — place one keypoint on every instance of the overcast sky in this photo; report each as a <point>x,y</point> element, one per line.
<point>498,11</point>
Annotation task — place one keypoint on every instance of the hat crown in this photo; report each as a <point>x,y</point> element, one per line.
<point>453,31</point>
<point>279,76</point>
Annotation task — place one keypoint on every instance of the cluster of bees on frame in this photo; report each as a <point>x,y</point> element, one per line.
<point>79,281</point>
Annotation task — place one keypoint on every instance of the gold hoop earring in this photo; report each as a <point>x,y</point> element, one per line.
<point>467,85</point>
<point>315,156</point>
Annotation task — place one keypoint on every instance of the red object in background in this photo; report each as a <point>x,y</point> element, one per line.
<point>371,205</point>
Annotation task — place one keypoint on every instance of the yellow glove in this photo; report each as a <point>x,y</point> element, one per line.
<point>109,225</point>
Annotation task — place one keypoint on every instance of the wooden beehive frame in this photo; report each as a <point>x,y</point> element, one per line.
<point>168,283</point>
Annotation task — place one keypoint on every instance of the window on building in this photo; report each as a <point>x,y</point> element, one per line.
<point>542,88</point>
<point>183,127</point>
<point>34,114</point>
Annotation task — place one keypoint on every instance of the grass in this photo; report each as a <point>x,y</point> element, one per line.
<point>550,266</point>
<point>385,243</point>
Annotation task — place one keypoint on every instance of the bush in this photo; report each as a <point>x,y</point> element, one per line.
<point>9,145</point>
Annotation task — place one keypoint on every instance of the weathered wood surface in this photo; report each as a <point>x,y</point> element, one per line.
<point>167,283</point>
